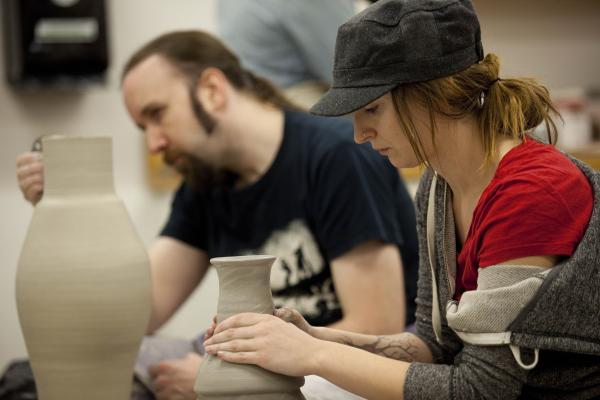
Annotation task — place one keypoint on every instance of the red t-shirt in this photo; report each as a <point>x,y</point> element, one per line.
<point>538,203</point>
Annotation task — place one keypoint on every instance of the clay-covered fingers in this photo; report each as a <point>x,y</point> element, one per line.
<point>211,329</point>
<point>294,317</point>
<point>286,314</point>
<point>30,176</point>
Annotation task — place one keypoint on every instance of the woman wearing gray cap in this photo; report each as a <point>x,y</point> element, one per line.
<point>508,226</point>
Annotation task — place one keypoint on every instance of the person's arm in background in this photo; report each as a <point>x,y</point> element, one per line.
<point>370,276</point>
<point>177,269</point>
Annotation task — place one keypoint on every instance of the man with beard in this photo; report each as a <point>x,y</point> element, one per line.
<point>263,178</point>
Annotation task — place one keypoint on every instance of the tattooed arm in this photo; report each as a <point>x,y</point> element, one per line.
<point>281,347</point>
<point>402,346</point>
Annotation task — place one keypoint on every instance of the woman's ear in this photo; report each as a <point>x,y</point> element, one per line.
<point>212,90</point>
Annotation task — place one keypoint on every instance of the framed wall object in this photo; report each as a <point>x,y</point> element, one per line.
<point>55,42</point>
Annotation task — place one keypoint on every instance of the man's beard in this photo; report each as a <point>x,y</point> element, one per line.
<point>198,174</point>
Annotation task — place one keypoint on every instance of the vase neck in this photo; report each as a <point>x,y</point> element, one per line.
<point>244,287</point>
<point>77,166</point>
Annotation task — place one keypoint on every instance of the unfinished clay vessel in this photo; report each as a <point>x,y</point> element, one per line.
<point>244,286</point>
<point>83,279</point>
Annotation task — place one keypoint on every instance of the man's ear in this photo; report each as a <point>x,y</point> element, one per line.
<point>211,90</point>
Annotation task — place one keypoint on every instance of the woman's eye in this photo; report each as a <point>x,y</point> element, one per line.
<point>371,109</point>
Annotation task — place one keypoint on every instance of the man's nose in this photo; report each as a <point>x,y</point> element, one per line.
<point>155,140</point>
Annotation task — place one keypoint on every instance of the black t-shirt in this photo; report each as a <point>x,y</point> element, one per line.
<point>322,196</point>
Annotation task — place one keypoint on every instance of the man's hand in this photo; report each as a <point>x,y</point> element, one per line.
<point>30,175</point>
<point>174,379</point>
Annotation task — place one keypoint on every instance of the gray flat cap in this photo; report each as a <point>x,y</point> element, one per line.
<point>394,42</point>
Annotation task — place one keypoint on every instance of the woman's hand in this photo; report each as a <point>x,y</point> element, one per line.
<point>30,175</point>
<point>294,317</point>
<point>267,341</point>
<point>211,329</point>
<point>287,314</point>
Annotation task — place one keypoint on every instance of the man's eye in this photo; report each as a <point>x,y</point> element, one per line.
<point>156,114</point>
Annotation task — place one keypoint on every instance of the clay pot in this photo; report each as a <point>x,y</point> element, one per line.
<point>83,279</point>
<point>244,286</point>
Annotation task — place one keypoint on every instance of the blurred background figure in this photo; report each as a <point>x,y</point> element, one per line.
<point>289,42</point>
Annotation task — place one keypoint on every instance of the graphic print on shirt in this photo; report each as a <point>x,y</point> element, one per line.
<point>299,277</point>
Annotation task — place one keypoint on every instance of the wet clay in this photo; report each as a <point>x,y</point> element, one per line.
<point>244,286</point>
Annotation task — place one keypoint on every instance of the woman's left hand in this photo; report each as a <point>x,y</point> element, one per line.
<point>267,341</point>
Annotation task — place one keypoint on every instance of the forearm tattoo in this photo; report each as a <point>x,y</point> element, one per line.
<point>402,347</point>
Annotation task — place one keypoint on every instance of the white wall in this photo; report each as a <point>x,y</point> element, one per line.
<point>97,111</point>
<point>557,41</point>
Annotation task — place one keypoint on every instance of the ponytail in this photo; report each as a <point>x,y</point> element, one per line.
<point>503,107</point>
<point>513,107</point>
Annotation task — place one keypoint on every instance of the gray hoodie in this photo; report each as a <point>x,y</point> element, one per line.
<point>525,333</point>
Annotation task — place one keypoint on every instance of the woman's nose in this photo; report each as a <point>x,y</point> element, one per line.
<point>362,135</point>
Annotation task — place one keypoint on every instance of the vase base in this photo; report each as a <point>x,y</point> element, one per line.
<point>297,395</point>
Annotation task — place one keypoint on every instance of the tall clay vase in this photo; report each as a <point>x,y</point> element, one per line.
<point>83,279</point>
<point>244,286</point>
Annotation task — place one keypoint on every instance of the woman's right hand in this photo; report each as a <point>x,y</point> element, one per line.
<point>294,317</point>
<point>287,314</point>
<point>30,175</point>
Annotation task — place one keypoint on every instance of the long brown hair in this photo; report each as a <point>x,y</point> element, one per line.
<point>502,107</point>
<point>191,52</point>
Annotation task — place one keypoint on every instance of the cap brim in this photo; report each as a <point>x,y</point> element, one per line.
<point>341,101</point>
